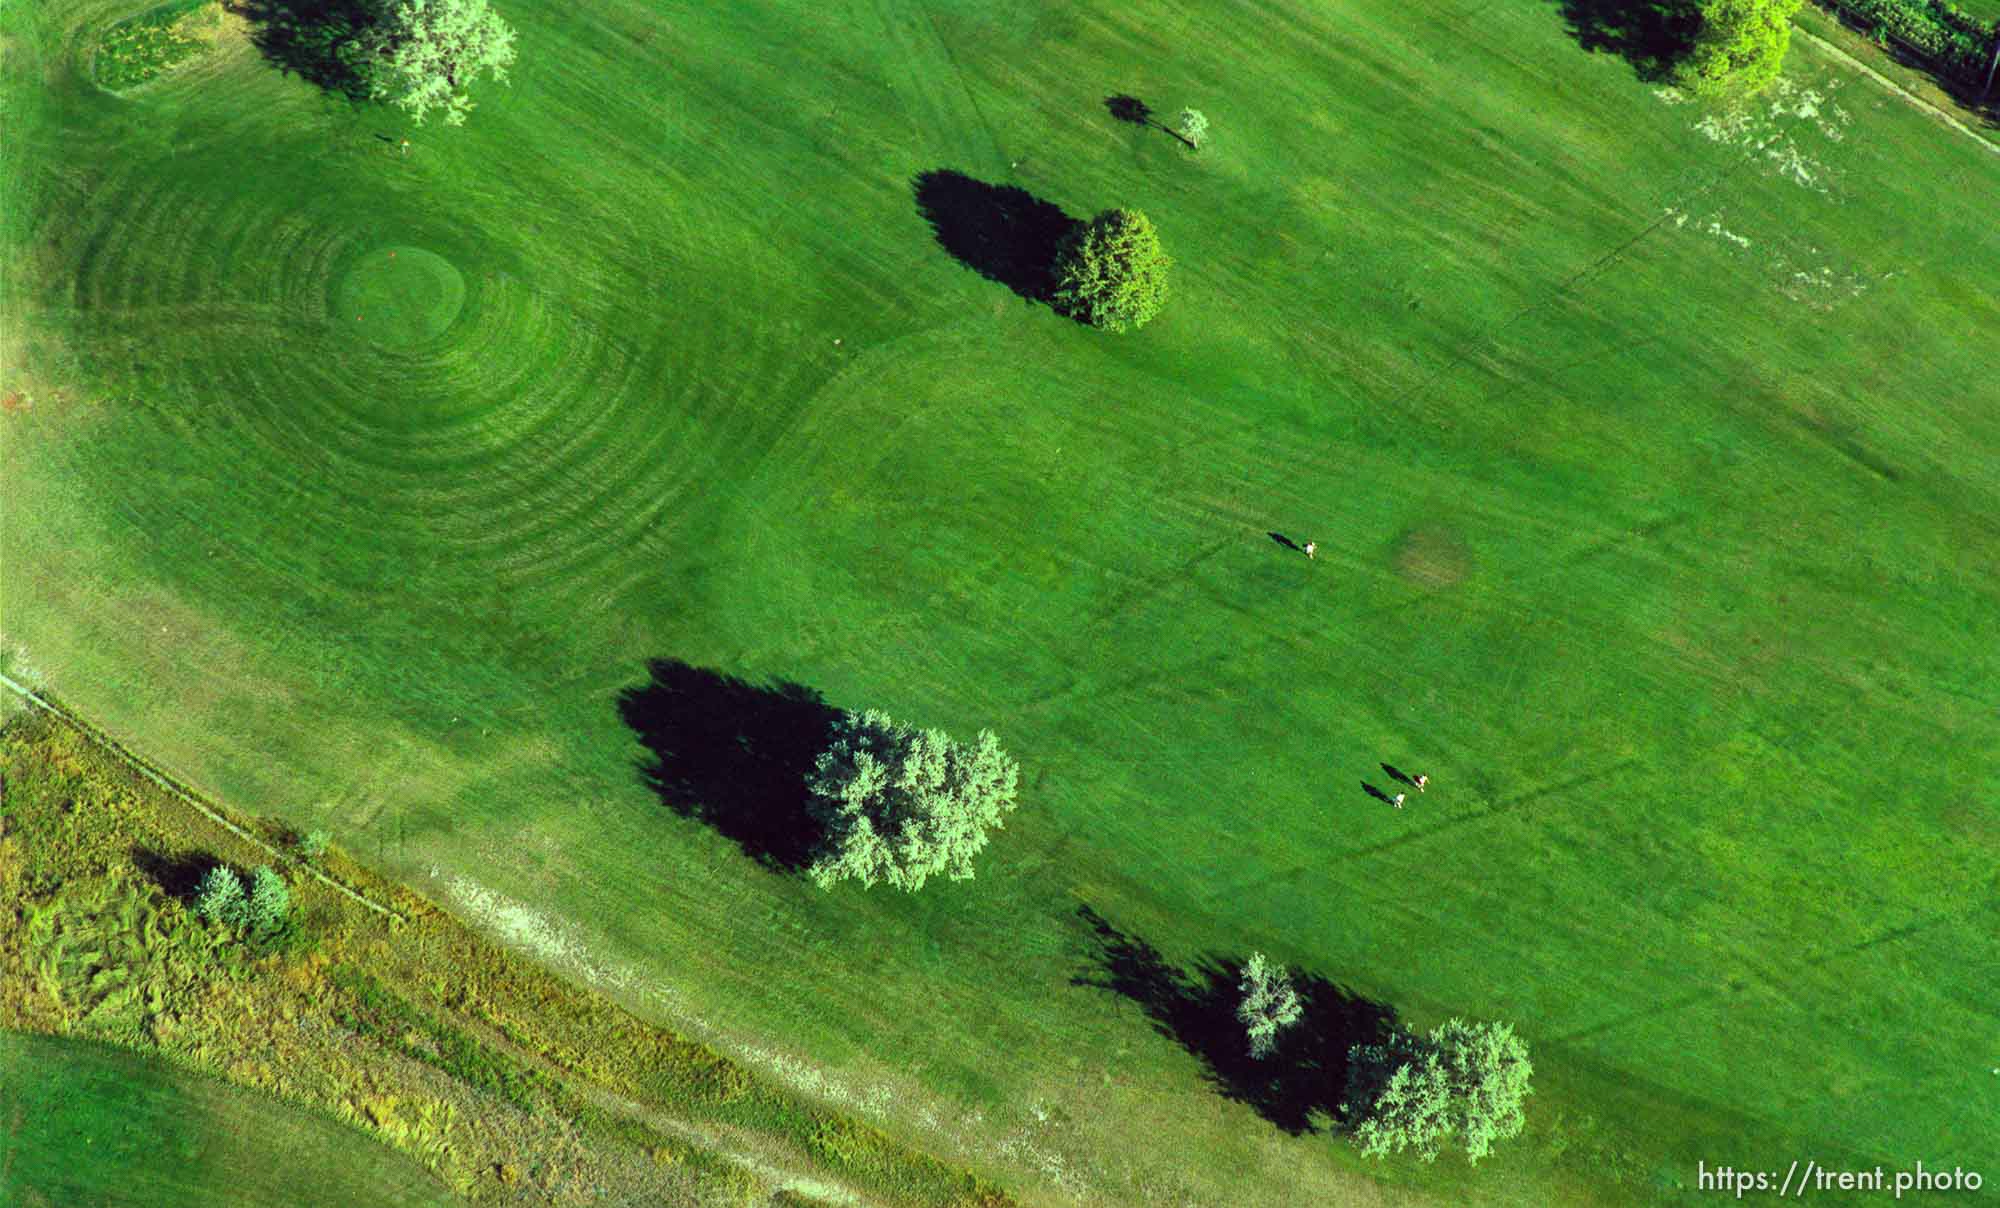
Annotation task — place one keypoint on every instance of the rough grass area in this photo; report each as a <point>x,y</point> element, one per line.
<point>155,42</point>
<point>497,1077</point>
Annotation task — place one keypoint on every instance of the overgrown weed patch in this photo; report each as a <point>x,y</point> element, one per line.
<point>490,1072</point>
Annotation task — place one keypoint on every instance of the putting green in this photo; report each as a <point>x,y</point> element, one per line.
<point>398,296</point>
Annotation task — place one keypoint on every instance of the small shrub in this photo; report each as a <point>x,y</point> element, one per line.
<point>221,899</point>
<point>270,903</point>
<point>1111,272</point>
<point>314,844</point>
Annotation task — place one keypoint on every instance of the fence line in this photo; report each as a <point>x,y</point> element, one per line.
<point>150,771</point>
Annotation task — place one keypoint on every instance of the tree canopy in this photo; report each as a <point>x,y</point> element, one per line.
<point>423,53</point>
<point>1194,126</point>
<point>901,805</point>
<point>1269,1005</point>
<point>1740,48</point>
<point>1111,272</point>
<point>1463,1081</point>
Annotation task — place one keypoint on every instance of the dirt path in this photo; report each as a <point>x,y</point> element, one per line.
<point>764,1158</point>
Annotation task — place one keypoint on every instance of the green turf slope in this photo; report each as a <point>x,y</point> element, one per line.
<point>82,1123</point>
<point>1650,453</point>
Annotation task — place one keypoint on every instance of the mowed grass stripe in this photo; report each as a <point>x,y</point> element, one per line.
<point>1589,507</point>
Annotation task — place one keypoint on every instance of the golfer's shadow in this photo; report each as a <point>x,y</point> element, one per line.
<point>1376,793</point>
<point>1395,773</point>
<point>1287,542</point>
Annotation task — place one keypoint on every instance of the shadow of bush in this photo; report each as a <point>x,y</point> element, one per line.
<point>733,755</point>
<point>1296,1086</point>
<point>178,874</point>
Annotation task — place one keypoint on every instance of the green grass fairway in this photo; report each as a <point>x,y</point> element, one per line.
<point>82,1123</point>
<point>1651,454</point>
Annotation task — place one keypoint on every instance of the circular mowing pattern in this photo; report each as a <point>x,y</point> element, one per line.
<point>398,296</point>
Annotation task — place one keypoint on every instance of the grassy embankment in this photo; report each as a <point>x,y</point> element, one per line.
<point>493,1078</point>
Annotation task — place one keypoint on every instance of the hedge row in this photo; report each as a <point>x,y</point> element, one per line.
<point>1955,43</point>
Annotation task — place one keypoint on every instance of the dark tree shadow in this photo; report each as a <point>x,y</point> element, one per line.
<point>1139,113</point>
<point>1001,232</point>
<point>733,754</point>
<point>178,874</point>
<point>1298,1087</point>
<point>1654,36</point>
<point>316,40</point>
<point>1129,109</point>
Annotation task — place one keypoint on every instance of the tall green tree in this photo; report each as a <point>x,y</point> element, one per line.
<point>1741,46</point>
<point>1269,1005</point>
<point>1111,272</point>
<point>423,54</point>
<point>1463,1082</point>
<point>901,805</point>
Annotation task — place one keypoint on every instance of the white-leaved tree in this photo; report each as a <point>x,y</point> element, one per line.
<point>1194,126</point>
<point>902,805</point>
<point>1269,1005</point>
<point>423,54</point>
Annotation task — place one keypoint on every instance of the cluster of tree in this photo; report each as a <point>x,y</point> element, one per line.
<point>1740,46</point>
<point>899,804</point>
<point>263,912</point>
<point>1463,1082</point>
